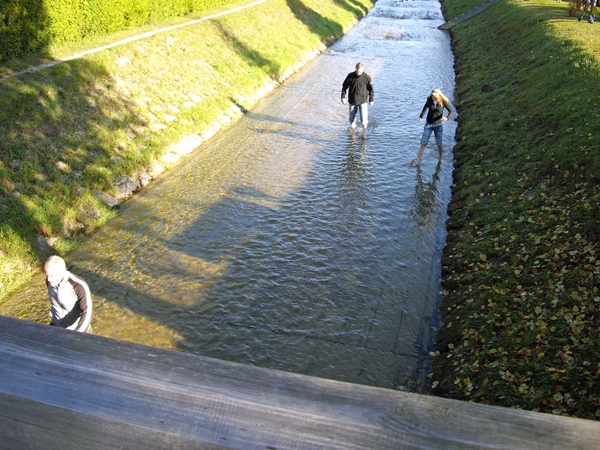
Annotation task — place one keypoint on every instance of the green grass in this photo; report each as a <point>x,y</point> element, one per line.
<point>67,132</point>
<point>520,309</point>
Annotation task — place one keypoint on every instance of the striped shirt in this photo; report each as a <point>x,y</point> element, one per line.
<point>71,303</point>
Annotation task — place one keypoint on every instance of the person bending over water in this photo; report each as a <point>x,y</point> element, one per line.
<point>434,107</point>
<point>70,297</point>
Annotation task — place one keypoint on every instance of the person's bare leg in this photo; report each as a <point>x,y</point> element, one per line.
<point>440,150</point>
<point>417,161</point>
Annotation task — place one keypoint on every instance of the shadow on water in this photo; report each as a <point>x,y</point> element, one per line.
<point>268,118</point>
<point>292,295</point>
<point>191,280</point>
<point>354,169</point>
<point>427,198</point>
<point>264,124</point>
<point>258,118</point>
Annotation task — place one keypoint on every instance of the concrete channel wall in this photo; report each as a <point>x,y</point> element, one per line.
<point>61,389</point>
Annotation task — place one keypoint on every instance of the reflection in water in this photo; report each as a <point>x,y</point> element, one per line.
<point>354,170</point>
<point>427,199</point>
<point>288,242</point>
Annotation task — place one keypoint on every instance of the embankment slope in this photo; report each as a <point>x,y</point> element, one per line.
<point>520,268</point>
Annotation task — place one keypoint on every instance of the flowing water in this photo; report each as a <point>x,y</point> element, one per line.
<point>289,241</point>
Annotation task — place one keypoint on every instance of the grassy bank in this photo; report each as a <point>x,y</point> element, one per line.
<point>68,132</point>
<point>521,266</point>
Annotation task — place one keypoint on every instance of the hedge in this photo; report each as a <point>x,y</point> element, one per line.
<point>28,26</point>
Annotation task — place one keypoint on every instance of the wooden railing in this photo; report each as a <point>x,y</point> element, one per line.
<point>61,390</point>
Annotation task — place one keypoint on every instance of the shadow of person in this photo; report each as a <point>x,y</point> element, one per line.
<point>354,167</point>
<point>426,196</point>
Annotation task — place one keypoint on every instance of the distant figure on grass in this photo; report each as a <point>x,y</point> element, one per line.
<point>592,6</point>
<point>360,91</point>
<point>434,107</point>
<point>70,297</point>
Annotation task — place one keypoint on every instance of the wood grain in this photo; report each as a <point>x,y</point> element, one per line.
<point>61,389</point>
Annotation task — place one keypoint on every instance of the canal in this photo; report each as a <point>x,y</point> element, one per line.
<point>288,241</point>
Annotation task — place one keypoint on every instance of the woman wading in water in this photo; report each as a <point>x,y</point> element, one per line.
<point>434,106</point>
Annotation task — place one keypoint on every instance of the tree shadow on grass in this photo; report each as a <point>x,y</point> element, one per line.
<point>252,57</point>
<point>56,152</point>
<point>315,22</point>
<point>353,6</point>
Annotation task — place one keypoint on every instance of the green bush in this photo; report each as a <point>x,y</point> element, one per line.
<point>24,26</point>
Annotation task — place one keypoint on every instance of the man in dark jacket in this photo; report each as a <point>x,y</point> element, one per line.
<point>70,297</point>
<point>360,91</point>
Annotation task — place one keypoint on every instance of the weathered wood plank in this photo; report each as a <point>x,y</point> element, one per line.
<point>61,389</point>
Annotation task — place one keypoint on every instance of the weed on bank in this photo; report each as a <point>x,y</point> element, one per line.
<point>522,262</point>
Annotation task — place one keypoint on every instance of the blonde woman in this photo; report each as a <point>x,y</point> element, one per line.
<point>434,107</point>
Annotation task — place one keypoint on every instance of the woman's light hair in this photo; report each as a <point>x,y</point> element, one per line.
<point>437,95</point>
